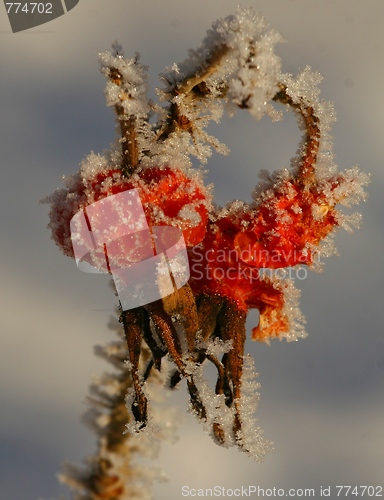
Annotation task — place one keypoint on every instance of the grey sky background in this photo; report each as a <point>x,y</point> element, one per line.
<point>321,398</point>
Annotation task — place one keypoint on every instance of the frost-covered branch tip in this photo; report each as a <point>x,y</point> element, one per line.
<point>126,91</point>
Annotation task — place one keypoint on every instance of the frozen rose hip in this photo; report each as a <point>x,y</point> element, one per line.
<point>169,198</point>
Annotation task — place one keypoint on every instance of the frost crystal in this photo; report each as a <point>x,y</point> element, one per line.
<point>126,83</point>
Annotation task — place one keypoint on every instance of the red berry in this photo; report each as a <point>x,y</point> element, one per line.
<point>169,198</point>
<point>281,231</point>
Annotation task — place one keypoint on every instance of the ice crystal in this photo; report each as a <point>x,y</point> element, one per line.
<point>250,435</point>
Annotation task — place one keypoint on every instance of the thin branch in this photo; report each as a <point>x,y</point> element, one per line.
<point>192,83</point>
<point>306,174</point>
<point>128,129</point>
<point>202,74</point>
<point>129,145</point>
<point>132,321</point>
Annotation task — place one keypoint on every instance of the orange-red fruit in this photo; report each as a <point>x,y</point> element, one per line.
<point>169,197</point>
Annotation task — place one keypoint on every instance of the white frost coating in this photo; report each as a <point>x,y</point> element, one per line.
<point>240,49</point>
<point>305,86</point>
<point>64,203</point>
<point>92,165</point>
<point>250,435</point>
<point>291,310</point>
<point>217,412</point>
<point>249,439</point>
<point>215,347</point>
<point>189,214</point>
<point>129,87</point>
<point>176,150</point>
<point>163,419</point>
<point>350,222</point>
<point>349,189</point>
<point>346,187</point>
<point>254,81</point>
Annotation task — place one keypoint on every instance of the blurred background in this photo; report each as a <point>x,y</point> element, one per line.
<point>321,398</point>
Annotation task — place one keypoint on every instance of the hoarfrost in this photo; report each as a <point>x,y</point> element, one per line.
<point>238,68</point>
<point>189,214</point>
<point>290,310</point>
<point>250,435</point>
<point>92,165</point>
<point>163,419</point>
<point>216,411</point>
<point>126,83</point>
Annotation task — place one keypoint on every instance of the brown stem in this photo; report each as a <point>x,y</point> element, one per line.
<point>192,83</point>
<point>306,174</point>
<point>128,126</point>
<point>182,304</point>
<point>208,308</point>
<point>132,321</point>
<point>101,478</point>
<point>103,485</point>
<point>157,351</point>
<point>129,144</point>
<point>116,437</point>
<point>167,333</point>
<point>210,66</point>
<point>232,327</point>
<point>222,386</point>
